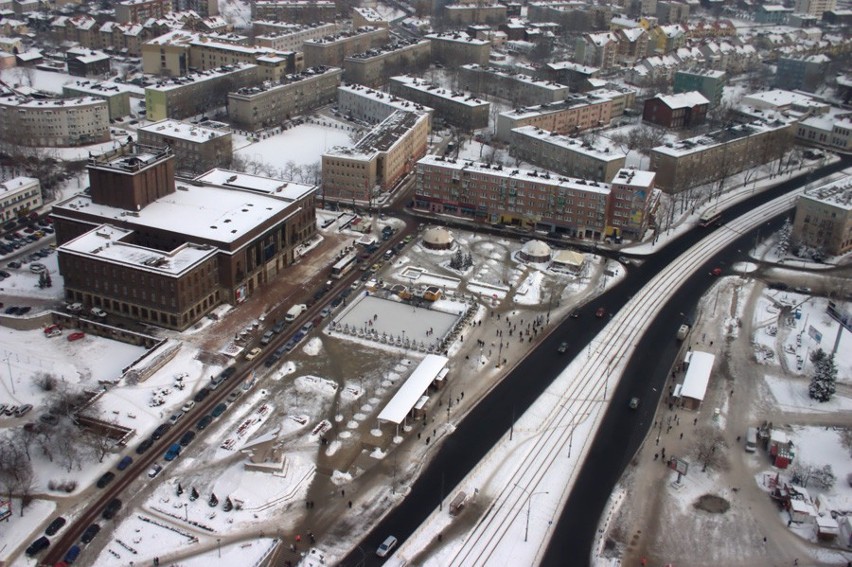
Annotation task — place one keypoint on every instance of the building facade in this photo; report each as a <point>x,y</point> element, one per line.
<point>53,123</point>
<point>801,73</point>
<point>263,106</point>
<point>282,36</point>
<point>18,197</point>
<point>378,161</point>
<point>463,14</point>
<point>330,51</point>
<point>294,11</point>
<point>195,94</point>
<point>363,103</point>
<point>84,62</point>
<point>130,248</point>
<point>823,218</point>
<point>373,68</point>
<point>459,109</point>
<point>519,89</point>
<point>571,116</point>
<point>135,11</point>
<point>709,83</point>
<point>632,199</point>
<point>116,95</point>
<point>458,48</point>
<point>572,157</point>
<point>196,148</point>
<point>677,111</point>
<point>716,156</point>
<point>830,132</point>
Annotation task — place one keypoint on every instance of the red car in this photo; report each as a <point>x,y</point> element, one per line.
<point>600,312</point>
<point>76,336</point>
<point>716,271</point>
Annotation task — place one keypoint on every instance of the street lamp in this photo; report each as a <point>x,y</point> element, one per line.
<point>185,512</point>
<point>9,366</point>
<point>571,426</point>
<point>219,546</point>
<point>529,506</point>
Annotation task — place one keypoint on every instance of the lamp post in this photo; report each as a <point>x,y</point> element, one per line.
<point>219,546</point>
<point>571,426</point>
<point>529,507</point>
<point>9,366</point>
<point>185,512</point>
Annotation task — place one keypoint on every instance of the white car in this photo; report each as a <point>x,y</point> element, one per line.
<point>98,312</point>
<point>187,406</point>
<point>386,547</point>
<point>252,354</point>
<point>155,470</point>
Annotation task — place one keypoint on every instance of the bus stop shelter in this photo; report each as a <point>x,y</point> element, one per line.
<point>433,367</point>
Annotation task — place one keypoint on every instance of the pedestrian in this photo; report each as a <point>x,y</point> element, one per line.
<point>656,456</point>
<point>350,503</point>
<point>298,538</point>
<point>342,492</point>
<point>695,421</point>
<point>681,435</point>
<point>764,539</point>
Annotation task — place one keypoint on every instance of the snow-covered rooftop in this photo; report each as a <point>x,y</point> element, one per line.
<point>634,177</point>
<point>698,375</point>
<point>184,130</point>
<point>459,97</point>
<point>520,77</point>
<point>701,143</point>
<point>683,100</point>
<point>601,148</point>
<point>777,98</point>
<point>837,193</point>
<point>99,88</point>
<point>430,368</point>
<point>286,190</point>
<point>458,37</point>
<point>199,77</point>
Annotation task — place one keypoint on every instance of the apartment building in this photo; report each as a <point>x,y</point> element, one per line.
<point>597,50</point>
<point>823,218</point>
<point>815,7</point>
<point>460,109</point>
<point>294,11</point>
<point>578,77</point>
<point>572,14</point>
<point>129,247</point>
<point>84,62</point>
<point>173,54</point>
<point>457,48</point>
<point>464,14</point>
<point>378,161</point>
<point>801,73</point>
<point>495,194</point>
<point>271,104</point>
<point>622,98</point>
<point>197,148</point>
<point>282,36</point>
<point>191,95</point>
<point>116,95</point>
<point>19,196</point>
<point>716,156</point>
<point>363,16</point>
<point>363,103</point>
<point>333,49</point>
<point>710,83</point>
<point>589,159</point>
<point>830,131</point>
<point>53,123</point>
<point>519,89</point>
<point>571,116</point>
<point>631,203</point>
<point>677,111</point>
<point>672,12</point>
<point>137,11</point>
<point>374,67</point>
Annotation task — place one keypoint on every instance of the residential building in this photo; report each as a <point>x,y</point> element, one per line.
<point>363,103</point>
<point>271,104</point>
<point>84,62</point>
<point>464,14</point>
<point>204,8</point>
<point>519,89</point>
<point>591,159</point>
<point>631,202</point>
<point>332,50</point>
<point>378,161</point>
<point>677,111</point>
<point>830,131</point>
<point>131,247</point>
<point>457,48</point>
<point>621,98</point>
<point>363,16</point>
<point>494,194</point>
<point>823,218</point>
<point>18,197</point>
<point>709,83</point>
<point>597,50</point>
<point>294,11</point>
<point>772,14</point>
<point>137,11</point>
<point>571,116</point>
<point>575,75</point>
<point>374,67</point>
<point>715,157</point>
<point>572,15</point>
<point>116,95</point>
<point>666,39</point>
<point>460,109</point>
<point>801,73</point>
<point>25,121</point>
<point>197,148</point>
<point>632,45</point>
<point>195,94</point>
<point>282,36</point>
<point>794,104</point>
<point>672,12</point>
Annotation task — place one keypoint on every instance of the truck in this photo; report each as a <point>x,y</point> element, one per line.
<point>294,312</point>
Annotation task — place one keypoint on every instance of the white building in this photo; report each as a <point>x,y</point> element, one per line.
<point>19,196</point>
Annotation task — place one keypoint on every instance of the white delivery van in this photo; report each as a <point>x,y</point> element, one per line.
<point>751,440</point>
<point>294,312</point>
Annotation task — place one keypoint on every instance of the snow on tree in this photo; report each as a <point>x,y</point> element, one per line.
<point>824,478</point>
<point>193,494</point>
<point>823,383</point>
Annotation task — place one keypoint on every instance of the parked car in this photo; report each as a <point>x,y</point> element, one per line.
<point>124,462</point>
<point>253,353</point>
<point>98,312</point>
<point>200,395</point>
<point>54,526</point>
<point>161,430</point>
<point>204,422</point>
<point>187,438</point>
<point>219,409</point>
<point>155,470</point>
<point>144,446</point>
<point>173,452</point>
<point>187,406</point>
<point>38,546</point>
<point>72,554</point>
<point>23,410</point>
<point>266,338</point>
<point>111,509</point>
<point>76,336</point>
<point>105,479</point>
<point>37,267</point>
<point>90,533</point>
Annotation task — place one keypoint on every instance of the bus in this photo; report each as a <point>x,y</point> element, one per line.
<point>343,266</point>
<point>710,218</point>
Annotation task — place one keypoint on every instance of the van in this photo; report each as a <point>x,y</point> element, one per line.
<point>682,331</point>
<point>295,311</point>
<point>751,440</point>
<point>386,547</point>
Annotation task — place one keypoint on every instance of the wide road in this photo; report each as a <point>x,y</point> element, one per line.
<point>613,447</point>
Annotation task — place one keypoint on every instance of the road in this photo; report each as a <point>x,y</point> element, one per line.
<point>483,426</point>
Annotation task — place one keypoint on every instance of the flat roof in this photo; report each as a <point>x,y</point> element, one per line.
<point>777,98</point>
<point>429,369</point>
<point>457,37</point>
<point>683,100</point>
<point>698,375</point>
<point>208,213</point>
<point>572,101</point>
<point>106,243</point>
<point>520,77</point>
<point>184,130</point>
<point>634,177</point>
<point>385,98</point>
<point>541,177</point>
<point>99,89</point>
<point>17,183</point>
<point>602,150</point>
<point>837,193</point>
<point>718,137</point>
<point>460,97</point>
<point>280,189</point>
<point>200,76</point>
<point>27,102</point>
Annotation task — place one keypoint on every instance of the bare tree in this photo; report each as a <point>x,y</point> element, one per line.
<point>46,381</point>
<point>98,443</point>
<point>710,449</point>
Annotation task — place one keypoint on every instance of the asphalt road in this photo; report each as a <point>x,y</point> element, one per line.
<point>612,448</point>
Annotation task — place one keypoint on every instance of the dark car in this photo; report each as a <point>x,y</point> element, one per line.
<point>161,430</point>
<point>219,410</point>
<point>105,479</point>
<point>201,394</point>
<point>124,462</point>
<point>144,446</point>
<point>278,327</point>
<point>90,533</point>
<point>204,422</point>
<point>38,546</point>
<point>600,312</point>
<point>228,372</point>
<point>111,509</point>
<point>72,554</point>
<point>55,526</point>
<point>187,438</point>
<point>563,348</point>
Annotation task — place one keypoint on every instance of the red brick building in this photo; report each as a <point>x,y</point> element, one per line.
<point>677,111</point>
